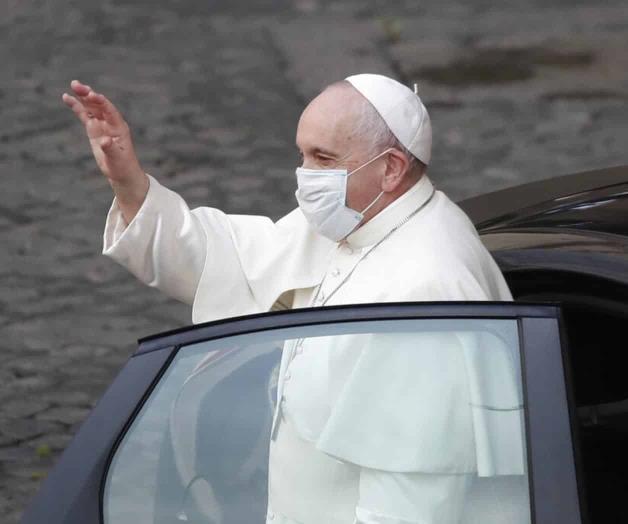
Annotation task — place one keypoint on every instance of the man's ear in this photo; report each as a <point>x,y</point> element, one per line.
<point>396,167</point>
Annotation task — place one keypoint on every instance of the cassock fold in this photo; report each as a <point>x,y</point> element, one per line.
<point>431,402</point>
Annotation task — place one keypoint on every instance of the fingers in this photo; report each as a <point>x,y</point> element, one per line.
<point>106,107</point>
<point>79,88</point>
<point>87,97</point>
<point>78,108</point>
<point>81,104</point>
<point>97,104</point>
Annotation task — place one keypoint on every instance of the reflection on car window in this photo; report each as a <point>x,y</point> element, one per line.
<point>413,420</point>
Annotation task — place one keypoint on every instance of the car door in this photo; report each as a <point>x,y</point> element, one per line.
<point>183,432</point>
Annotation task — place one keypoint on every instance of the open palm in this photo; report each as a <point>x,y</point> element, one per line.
<point>108,133</point>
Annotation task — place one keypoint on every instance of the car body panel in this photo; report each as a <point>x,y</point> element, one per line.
<point>341,313</point>
<point>601,255</point>
<point>575,224</point>
<point>594,200</point>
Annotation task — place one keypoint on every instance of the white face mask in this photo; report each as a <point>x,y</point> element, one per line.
<point>322,194</point>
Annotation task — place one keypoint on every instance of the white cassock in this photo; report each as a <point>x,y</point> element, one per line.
<point>328,462</point>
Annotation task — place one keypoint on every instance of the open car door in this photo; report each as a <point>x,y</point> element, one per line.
<point>183,432</point>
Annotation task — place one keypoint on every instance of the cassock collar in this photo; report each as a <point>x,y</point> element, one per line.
<point>375,229</point>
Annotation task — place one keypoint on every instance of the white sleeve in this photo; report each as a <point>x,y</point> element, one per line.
<point>164,245</point>
<point>410,498</point>
<point>243,263</point>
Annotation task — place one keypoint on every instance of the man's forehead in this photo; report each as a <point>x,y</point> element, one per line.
<point>328,122</point>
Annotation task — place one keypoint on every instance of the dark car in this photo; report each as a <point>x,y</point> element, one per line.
<point>182,433</point>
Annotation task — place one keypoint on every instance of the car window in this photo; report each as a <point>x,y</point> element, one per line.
<point>404,417</point>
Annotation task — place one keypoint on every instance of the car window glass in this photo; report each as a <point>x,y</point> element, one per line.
<point>407,419</point>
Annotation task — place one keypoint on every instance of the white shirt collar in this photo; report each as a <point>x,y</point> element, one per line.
<point>375,229</point>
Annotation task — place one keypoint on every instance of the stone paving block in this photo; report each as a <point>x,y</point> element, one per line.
<point>302,45</point>
<point>69,397</point>
<point>32,470</point>
<point>53,441</point>
<point>23,407</point>
<point>67,415</point>
<point>14,454</point>
<point>20,429</point>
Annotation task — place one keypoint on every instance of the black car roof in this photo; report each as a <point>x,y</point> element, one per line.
<point>531,204</point>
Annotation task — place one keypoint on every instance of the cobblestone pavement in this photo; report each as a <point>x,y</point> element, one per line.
<point>213,91</point>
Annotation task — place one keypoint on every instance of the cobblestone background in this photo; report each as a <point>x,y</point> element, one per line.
<point>213,90</point>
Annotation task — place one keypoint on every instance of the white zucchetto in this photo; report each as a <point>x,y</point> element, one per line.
<point>401,109</point>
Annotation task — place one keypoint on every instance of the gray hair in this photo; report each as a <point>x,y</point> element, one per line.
<point>373,130</point>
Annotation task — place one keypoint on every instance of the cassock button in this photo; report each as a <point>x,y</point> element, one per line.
<point>299,350</point>
<point>335,272</point>
<point>271,515</point>
<point>287,375</point>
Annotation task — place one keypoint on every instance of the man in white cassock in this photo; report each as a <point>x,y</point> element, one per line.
<point>369,227</point>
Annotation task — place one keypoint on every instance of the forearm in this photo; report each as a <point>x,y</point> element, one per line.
<point>163,244</point>
<point>130,195</point>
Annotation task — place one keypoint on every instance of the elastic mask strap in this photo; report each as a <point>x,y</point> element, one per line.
<point>371,160</point>
<point>372,203</point>
<point>364,165</point>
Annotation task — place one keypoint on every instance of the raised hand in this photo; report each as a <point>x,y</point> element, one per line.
<point>110,139</point>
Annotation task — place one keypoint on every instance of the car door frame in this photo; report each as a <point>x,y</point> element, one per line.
<point>73,491</point>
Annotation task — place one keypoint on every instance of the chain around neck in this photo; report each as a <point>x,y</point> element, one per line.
<point>387,235</point>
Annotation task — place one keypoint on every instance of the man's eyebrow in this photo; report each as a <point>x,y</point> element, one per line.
<point>319,150</point>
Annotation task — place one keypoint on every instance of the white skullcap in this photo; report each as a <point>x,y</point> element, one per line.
<point>401,109</point>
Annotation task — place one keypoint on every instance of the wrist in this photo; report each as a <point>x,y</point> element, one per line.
<point>131,191</point>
